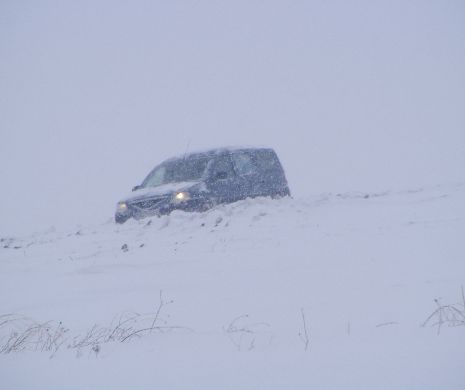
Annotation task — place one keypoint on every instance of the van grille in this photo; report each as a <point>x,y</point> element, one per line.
<point>148,204</point>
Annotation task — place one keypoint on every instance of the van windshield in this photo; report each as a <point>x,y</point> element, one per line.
<point>177,171</point>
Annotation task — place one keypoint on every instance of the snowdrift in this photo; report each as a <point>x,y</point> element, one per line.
<point>350,290</point>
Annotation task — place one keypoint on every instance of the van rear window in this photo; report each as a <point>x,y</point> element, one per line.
<point>266,160</point>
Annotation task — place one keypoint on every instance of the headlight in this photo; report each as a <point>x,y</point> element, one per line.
<point>122,206</point>
<point>181,197</point>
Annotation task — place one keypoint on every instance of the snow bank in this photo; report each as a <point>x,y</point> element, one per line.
<point>330,291</point>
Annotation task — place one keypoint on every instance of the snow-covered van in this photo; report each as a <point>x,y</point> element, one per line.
<point>199,181</point>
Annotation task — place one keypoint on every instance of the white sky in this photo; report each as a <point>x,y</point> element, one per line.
<point>353,95</point>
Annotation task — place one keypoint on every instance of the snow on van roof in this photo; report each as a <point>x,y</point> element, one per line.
<point>218,150</point>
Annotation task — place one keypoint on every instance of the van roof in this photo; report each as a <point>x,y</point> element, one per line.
<point>220,150</point>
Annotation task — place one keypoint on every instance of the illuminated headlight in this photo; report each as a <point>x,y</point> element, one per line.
<point>122,206</point>
<point>181,197</point>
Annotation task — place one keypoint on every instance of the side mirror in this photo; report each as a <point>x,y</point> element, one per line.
<point>221,175</point>
<point>136,188</point>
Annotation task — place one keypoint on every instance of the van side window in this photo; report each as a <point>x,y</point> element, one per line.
<point>221,164</point>
<point>243,164</point>
<point>267,161</point>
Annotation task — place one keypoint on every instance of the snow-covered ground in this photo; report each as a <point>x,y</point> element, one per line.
<point>325,292</point>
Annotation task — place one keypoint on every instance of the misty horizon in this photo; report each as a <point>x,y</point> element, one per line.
<point>353,96</point>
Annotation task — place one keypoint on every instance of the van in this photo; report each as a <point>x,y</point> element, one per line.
<point>202,180</point>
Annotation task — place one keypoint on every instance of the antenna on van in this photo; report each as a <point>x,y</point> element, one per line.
<point>187,148</point>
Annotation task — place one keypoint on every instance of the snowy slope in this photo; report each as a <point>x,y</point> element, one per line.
<point>329,291</point>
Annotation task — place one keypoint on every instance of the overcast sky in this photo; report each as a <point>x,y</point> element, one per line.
<point>353,95</point>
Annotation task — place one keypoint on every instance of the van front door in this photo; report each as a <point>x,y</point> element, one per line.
<point>222,181</point>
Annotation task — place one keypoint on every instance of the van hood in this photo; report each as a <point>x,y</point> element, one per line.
<point>165,189</point>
